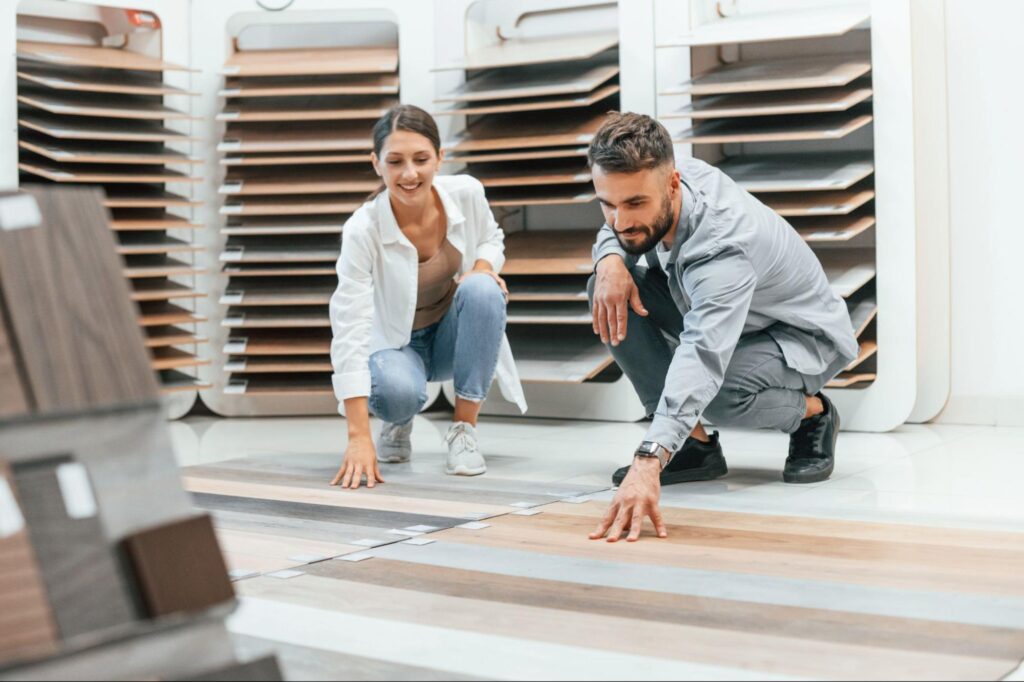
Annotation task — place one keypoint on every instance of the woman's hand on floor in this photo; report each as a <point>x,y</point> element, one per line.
<point>360,460</point>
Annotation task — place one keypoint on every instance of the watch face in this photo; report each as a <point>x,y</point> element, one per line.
<point>648,448</point>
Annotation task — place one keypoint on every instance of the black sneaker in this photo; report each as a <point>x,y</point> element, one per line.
<point>695,461</point>
<point>812,448</point>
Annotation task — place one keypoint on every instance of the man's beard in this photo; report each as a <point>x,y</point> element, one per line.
<point>655,233</point>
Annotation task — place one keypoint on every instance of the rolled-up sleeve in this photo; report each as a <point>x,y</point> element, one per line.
<point>352,318</point>
<point>491,245</point>
<point>720,288</point>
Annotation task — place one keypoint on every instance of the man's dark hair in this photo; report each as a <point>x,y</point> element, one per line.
<point>630,143</point>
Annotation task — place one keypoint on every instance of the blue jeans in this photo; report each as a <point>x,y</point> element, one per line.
<point>464,345</point>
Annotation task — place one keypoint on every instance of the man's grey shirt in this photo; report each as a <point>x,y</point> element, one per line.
<point>736,268</point>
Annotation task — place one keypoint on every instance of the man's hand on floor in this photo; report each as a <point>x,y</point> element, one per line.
<point>637,498</point>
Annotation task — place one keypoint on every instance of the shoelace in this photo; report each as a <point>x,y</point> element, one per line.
<point>809,439</point>
<point>459,433</point>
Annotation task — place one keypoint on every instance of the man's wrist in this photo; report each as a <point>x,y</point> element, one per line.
<point>643,462</point>
<point>603,261</point>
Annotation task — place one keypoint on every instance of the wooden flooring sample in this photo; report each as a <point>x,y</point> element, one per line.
<point>833,229</point>
<point>101,174</point>
<point>99,105</point>
<point>296,317</point>
<point>356,179</point>
<point>145,243</point>
<point>545,252</point>
<point>777,129</point>
<point>851,379</point>
<point>868,349</point>
<point>545,50</point>
<point>149,220</point>
<point>145,197</point>
<point>161,313</point>
<point>144,267</point>
<point>88,128</point>
<point>313,108</point>
<point>179,567</point>
<point>863,311</point>
<point>84,582</point>
<point>293,86</point>
<point>292,385</point>
<point>68,304</point>
<point>848,272</point>
<point>553,288</point>
<point>563,356</point>
<point>74,151</point>
<point>544,173</point>
<point>554,195</point>
<point>279,269</point>
<point>14,401</point>
<point>534,155</point>
<point>161,290</point>
<point>825,71</point>
<point>543,80</point>
<point>797,204</point>
<point>280,343</point>
<point>282,252</point>
<point>531,130</point>
<point>798,172</point>
<point>280,365</point>
<point>279,293</point>
<point>312,62</point>
<point>274,226</point>
<point>76,79</point>
<point>97,57</point>
<point>173,381</point>
<point>774,26</point>
<point>173,358</point>
<point>782,103</point>
<point>287,205</point>
<point>284,138</point>
<point>549,313</point>
<point>166,337</point>
<point>532,104</point>
<point>27,628</point>
<point>297,159</point>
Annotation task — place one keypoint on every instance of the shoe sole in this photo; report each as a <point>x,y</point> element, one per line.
<point>465,471</point>
<point>716,469</point>
<point>818,476</point>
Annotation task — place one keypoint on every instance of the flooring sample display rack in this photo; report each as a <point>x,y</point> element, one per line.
<point>102,109</point>
<point>527,108</point>
<point>792,104</point>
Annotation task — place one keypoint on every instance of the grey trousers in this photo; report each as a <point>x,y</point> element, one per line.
<point>759,390</point>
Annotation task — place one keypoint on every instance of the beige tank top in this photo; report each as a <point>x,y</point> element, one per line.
<point>436,285</point>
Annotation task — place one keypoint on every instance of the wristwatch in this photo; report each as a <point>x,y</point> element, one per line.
<point>651,450</point>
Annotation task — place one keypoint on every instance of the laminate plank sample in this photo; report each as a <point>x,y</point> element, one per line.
<point>868,349</point>
<point>145,197</point>
<point>777,129</point>
<point>834,229</point>
<point>160,313</point>
<point>85,585</point>
<point>72,151</point>
<point>544,50</point>
<point>50,274</point>
<point>799,73</point>
<point>531,130</point>
<point>268,251</point>
<point>557,288</point>
<point>793,204</point>
<point>261,670</point>
<point>782,103</point>
<point>14,401</point>
<point>331,180</point>
<point>549,313</point>
<point>279,343</point>
<point>533,104</point>
<point>293,86</point>
<point>312,108</point>
<point>543,80</point>
<point>86,128</point>
<point>298,317</point>
<point>798,172</point>
<point>77,79</point>
<point>282,386</point>
<point>99,174</point>
<point>299,159</point>
<point>537,155</point>
<point>145,243</point>
<point>863,309</point>
<point>275,226</point>
<point>144,267</point>
<point>564,252</point>
<point>173,381</point>
<point>279,293</point>
<point>777,25</point>
<point>848,272</point>
<point>279,270</point>
<point>851,380</point>
<point>284,138</point>
<point>312,62</point>
<point>532,173</point>
<point>280,365</point>
<point>164,337</point>
<point>288,205</point>
<point>27,627</point>
<point>149,220</point>
<point>179,567</point>
<point>554,195</point>
<point>569,355</point>
<point>99,105</point>
<point>173,358</point>
<point>144,291</point>
<point>96,57</point>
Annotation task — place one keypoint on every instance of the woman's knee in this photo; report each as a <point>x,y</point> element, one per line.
<point>397,394</point>
<point>480,290</point>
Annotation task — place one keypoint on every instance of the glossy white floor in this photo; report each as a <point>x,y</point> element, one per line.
<point>949,476</point>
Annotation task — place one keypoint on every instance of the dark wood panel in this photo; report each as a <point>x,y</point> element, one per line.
<point>13,399</point>
<point>69,305</point>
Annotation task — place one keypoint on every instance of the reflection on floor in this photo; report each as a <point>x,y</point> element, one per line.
<point>906,564</point>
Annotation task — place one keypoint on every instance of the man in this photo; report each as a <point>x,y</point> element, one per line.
<point>712,305</point>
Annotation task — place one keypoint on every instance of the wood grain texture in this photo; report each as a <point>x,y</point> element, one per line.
<point>793,73</point>
<point>310,62</point>
<point>330,180</point>
<point>529,130</point>
<point>544,50</point>
<point>79,79</point>
<point>534,104</point>
<point>145,197</point>
<point>534,173</point>
<point>84,582</point>
<point>776,129</point>
<point>782,103</point>
<point>99,105</point>
<point>309,108</point>
<point>798,172</point>
<point>294,159</point>
<point>797,204</point>
<point>99,174</point>
<point>71,151</point>
<point>272,226</point>
<point>279,270</point>
<point>280,138</point>
<point>541,195</point>
<point>98,57</point>
<point>868,349</point>
<point>566,252</point>
<point>291,317</point>
<point>297,86</point>
<point>543,80</point>
<point>69,307</point>
<point>88,128</point>
<point>536,155</point>
<point>290,205</point>
<point>834,229</point>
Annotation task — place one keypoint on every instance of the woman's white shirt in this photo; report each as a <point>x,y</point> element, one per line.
<point>375,302</point>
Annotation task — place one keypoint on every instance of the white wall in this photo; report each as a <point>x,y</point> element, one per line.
<point>986,145</point>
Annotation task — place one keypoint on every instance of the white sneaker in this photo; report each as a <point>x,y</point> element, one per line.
<point>395,443</point>
<point>464,458</point>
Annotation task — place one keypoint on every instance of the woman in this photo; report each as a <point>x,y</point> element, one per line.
<point>419,299</point>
